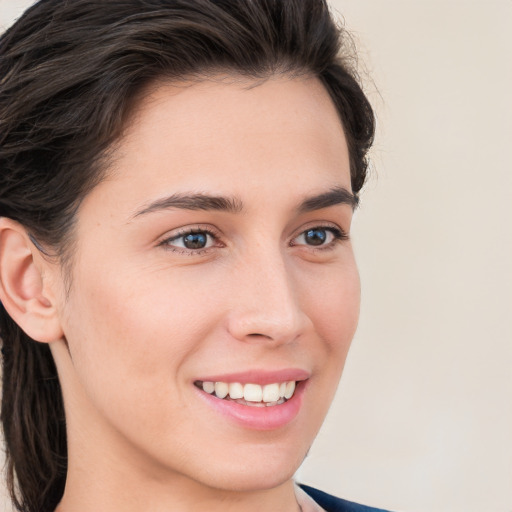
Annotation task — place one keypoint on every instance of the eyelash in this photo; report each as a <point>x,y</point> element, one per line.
<point>338,234</point>
<point>166,243</point>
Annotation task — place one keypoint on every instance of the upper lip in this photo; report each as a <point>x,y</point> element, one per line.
<point>261,377</point>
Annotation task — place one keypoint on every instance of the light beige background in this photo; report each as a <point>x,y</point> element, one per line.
<point>423,418</point>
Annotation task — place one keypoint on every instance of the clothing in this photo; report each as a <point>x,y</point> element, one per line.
<point>332,504</point>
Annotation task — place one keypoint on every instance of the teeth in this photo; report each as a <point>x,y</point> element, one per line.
<point>271,393</point>
<point>290,389</point>
<point>251,394</point>
<point>222,389</point>
<point>209,387</point>
<point>236,390</point>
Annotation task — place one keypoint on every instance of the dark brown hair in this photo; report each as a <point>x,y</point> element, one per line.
<point>69,72</point>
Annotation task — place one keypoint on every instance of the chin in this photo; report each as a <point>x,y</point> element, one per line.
<point>253,477</point>
<point>247,468</point>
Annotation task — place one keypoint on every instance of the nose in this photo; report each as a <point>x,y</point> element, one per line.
<point>266,306</point>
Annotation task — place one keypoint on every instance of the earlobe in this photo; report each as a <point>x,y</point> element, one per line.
<point>22,290</point>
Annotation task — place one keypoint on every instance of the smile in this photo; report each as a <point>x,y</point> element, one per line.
<point>253,395</point>
<point>255,399</point>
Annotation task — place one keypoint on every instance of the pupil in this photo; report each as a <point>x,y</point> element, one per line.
<point>195,241</point>
<point>316,236</point>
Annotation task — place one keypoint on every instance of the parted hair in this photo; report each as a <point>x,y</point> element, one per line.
<point>70,73</point>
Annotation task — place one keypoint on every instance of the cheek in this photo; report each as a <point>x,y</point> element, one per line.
<point>130,329</point>
<point>334,311</point>
<point>129,348</point>
<point>334,307</point>
<point>140,326</point>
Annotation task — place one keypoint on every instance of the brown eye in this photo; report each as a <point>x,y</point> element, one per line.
<point>195,240</point>
<point>315,236</point>
<point>192,240</point>
<point>318,236</point>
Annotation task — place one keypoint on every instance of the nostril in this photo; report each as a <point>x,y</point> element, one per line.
<point>266,325</point>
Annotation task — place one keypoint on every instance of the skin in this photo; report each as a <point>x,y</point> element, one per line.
<point>145,317</point>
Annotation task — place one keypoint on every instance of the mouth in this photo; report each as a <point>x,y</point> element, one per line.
<point>250,394</point>
<point>255,399</point>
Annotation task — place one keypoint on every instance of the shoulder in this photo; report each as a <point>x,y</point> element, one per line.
<point>332,504</point>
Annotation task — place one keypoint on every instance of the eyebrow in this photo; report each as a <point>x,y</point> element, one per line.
<point>205,202</point>
<point>194,202</point>
<point>333,197</point>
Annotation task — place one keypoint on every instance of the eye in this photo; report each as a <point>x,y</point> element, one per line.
<point>319,236</point>
<point>191,240</point>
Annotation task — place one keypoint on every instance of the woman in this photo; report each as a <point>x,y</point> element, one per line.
<point>178,285</point>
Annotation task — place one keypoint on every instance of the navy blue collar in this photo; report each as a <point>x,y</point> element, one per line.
<point>332,504</point>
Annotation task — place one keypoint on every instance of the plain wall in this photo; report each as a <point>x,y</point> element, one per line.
<point>422,420</point>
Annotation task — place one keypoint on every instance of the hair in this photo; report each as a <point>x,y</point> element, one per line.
<point>70,72</point>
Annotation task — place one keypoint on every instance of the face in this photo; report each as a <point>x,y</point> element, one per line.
<point>215,258</point>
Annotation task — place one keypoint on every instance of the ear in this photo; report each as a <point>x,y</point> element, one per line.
<point>23,292</point>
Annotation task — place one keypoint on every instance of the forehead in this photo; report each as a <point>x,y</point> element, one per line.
<point>231,136</point>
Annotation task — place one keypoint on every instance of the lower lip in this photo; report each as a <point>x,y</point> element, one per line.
<point>258,418</point>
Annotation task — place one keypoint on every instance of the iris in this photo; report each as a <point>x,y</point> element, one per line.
<point>315,236</point>
<point>195,240</point>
